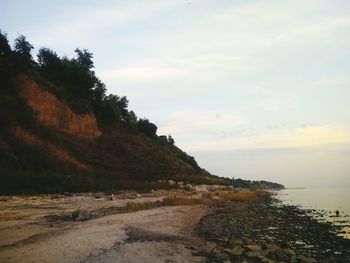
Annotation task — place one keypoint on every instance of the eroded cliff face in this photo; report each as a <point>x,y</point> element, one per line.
<point>56,114</point>
<point>54,149</point>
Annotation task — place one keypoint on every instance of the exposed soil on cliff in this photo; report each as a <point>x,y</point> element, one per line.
<point>55,113</point>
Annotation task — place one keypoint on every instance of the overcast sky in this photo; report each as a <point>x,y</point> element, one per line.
<point>252,89</point>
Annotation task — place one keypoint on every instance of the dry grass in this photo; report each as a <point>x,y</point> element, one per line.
<point>217,197</point>
<point>172,201</point>
<point>137,206</point>
<point>241,195</point>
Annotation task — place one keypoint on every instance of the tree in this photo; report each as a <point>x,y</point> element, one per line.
<point>48,59</point>
<point>99,91</point>
<point>4,44</point>
<point>115,108</point>
<point>123,103</point>
<point>23,47</point>
<point>84,58</point>
<point>147,127</point>
<point>132,118</point>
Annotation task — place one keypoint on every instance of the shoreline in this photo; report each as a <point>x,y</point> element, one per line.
<point>321,205</point>
<point>265,222</point>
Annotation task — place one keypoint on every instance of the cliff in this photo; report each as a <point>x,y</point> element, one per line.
<point>61,150</point>
<point>54,113</point>
<point>61,132</point>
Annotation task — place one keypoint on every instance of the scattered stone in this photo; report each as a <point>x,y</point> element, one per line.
<point>304,259</point>
<point>211,244</point>
<point>84,215</point>
<point>254,248</point>
<point>207,249</point>
<point>249,242</point>
<point>288,252</point>
<point>75,215</point>
<point>286,244</point>
<point>267,222</point>
<point>263,259</point>
<point>252,254</point>
<point>281,256</point>
<point>235,242</point>
<point>219,254</point>
<point>272,247</point>
<point>236,251</point>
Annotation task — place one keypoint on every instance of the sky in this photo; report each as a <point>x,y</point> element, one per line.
<point>258,90</point>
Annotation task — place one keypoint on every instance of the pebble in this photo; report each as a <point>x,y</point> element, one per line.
<point>304,259</point>
<point>263,232</point>
<point>236,251</point>
<point>253,248</point>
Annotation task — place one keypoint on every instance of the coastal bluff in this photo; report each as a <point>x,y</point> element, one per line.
<point>54,113</point>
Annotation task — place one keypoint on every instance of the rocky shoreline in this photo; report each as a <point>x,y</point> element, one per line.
<point>265,230</point>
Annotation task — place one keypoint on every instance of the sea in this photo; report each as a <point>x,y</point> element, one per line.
<point>326,201</point>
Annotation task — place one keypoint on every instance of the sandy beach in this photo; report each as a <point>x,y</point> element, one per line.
<point>164,234</point>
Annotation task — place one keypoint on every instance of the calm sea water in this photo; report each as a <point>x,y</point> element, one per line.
<point>327,199</point>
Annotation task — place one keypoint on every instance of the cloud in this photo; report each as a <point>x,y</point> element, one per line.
<point>80,25</point>
<point>142,74</point>
<point>277,104</point>
<point>297,138</point>
<point>334,81</point>
<point>260,25</point>
<point>174,67</point>
<point>194,125</point>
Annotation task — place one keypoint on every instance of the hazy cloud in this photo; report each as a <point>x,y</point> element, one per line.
<point>301,137</point>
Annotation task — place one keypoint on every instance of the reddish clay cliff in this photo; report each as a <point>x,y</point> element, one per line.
<point>56,114</point>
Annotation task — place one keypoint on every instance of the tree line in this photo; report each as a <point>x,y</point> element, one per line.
<point>77,82</point>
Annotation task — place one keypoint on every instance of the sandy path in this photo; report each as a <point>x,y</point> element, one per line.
<point>162,234</point>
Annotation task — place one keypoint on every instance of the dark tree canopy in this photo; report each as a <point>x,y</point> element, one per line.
<point>77,83</point>
<point>132,118</point>
<point>117,107</point>
<point>4,44</point>
<point>23,47</point>
<point>85,58</point>
<point>98,93</point>
<point>147,127</point>
<point>48,59</point>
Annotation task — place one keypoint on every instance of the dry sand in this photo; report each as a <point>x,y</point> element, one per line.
<point>164,234</point>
